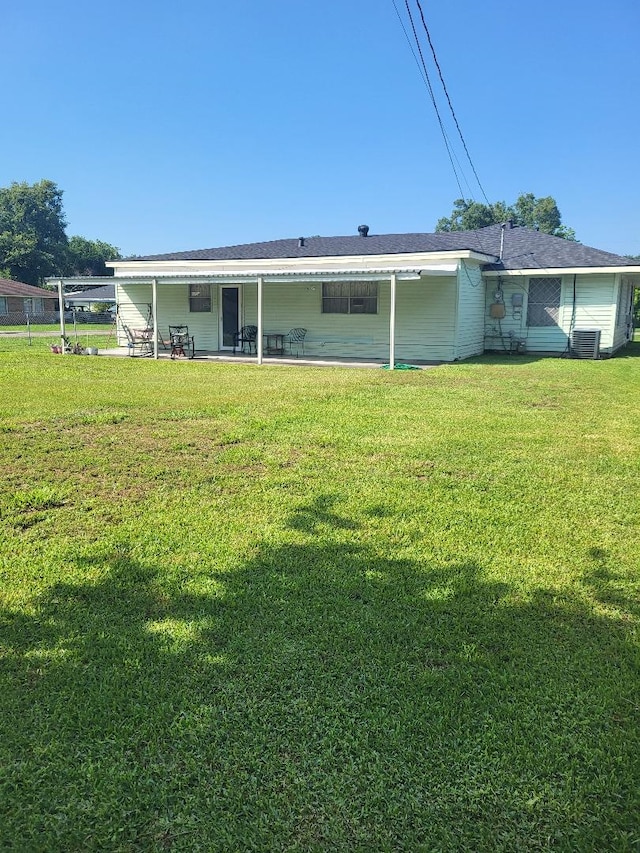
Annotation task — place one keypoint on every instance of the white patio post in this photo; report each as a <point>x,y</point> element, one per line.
<point>154,315</point>
<point>392,323</point>
<point>61,309</point>
<point>259,335</point>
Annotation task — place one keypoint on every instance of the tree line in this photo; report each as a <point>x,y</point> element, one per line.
<point>34,244</point>
<point>33,238</point>
<point>539,213</point>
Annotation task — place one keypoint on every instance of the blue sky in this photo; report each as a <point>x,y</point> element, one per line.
<point>184,125</point>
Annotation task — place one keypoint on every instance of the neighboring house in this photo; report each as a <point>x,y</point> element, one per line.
<point>105,294</point>
<point>19,301</point>
<point>391,297</point>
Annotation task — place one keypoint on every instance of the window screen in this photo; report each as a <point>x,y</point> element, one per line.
<point>199,297</point>
<point>350,297</point>
<point>543,307</point>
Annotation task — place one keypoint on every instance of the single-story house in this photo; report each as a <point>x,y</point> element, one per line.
<point>86,299</point>
<point>19,301</point>
<point>390,297</point>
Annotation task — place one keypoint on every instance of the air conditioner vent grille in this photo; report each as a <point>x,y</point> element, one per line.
<point>585,343</point>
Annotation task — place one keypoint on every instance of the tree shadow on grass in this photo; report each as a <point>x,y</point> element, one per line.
<point>322,696</point>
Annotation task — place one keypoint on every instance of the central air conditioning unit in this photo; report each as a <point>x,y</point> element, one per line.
<point>585,343</point>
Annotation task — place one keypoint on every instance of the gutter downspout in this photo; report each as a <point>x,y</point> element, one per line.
<point>61,309</point>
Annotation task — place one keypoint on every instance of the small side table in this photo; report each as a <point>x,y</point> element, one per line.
<point>274,343</point>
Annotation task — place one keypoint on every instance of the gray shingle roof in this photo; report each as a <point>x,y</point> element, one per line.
<point>104,293</point>
<point>527,249</point>
<point>523,248</point>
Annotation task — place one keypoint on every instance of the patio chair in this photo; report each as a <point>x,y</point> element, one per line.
<point>181,342</point>
<point>246,337</point>
<point>295,338</point>
<point>139,341</point>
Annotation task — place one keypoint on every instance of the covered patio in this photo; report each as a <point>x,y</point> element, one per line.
<point>147,305</point>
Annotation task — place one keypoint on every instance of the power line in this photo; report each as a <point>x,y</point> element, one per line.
<point>425,81</point>
<point>444,86</point>
<point>430,88</point>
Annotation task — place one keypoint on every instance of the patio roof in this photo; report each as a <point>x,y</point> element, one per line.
<point>274,275</point>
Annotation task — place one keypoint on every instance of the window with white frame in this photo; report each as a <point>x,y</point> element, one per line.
<point>199,298</point>
<point>350,297</point>
<point>3,304</point>
<point>543,306</point>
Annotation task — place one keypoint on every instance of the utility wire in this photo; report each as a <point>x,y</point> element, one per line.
<point>431,93</point>
<point>444,86</point>
<point>426,82</point>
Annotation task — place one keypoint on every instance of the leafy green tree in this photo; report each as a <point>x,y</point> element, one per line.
<point>33,242</point>
<point>469,215</point>
<point>87,257</point>
<point>540,213</point>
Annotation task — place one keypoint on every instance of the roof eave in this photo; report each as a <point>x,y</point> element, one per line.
<point>138,265</point>
<point>628,270</point>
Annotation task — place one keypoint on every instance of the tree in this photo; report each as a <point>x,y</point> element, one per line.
<point>87,257</point>
<point>469,215</point>
<point>33,242</point>
<point>539,213</point>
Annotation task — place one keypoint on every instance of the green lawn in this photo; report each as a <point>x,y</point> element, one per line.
<point>304,609</point>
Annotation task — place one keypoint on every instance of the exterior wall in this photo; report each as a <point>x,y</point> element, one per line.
<point>595,307</point>
<point>134,311</point>
<point>15,303</point>
<point>623,329</point>
<point>14,310</point>
<point>470,313</point>
<point>27,304</point>
<point>425,317</point>
<point>424,320</point>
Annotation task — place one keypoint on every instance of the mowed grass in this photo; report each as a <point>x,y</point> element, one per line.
<point>308,609</point>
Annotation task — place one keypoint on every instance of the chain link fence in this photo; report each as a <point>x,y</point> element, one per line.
<point>21,318</point>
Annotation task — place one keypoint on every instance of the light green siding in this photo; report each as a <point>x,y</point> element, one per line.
<point>426,314</point>
<point>134,306</point>
<point>622,328</point>
<point>470,314</point>
<point>595,305</point>
<point>425,319</point>
<point>594,309</point>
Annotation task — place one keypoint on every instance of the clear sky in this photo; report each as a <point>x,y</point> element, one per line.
<point>190,124</point>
